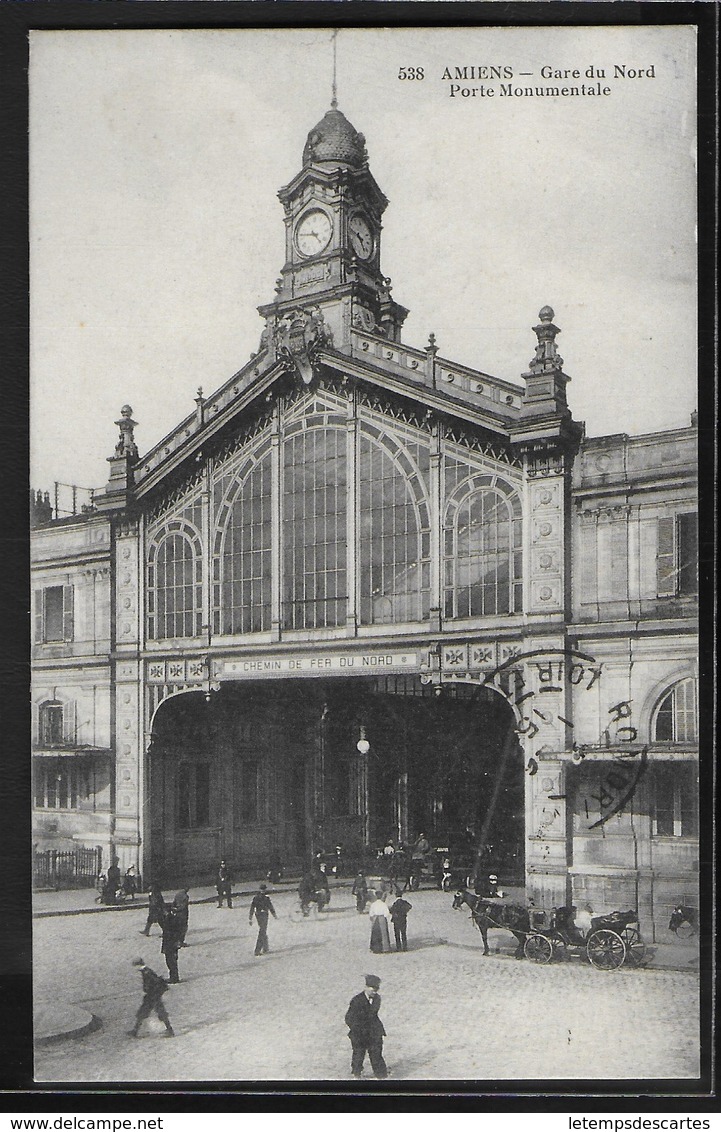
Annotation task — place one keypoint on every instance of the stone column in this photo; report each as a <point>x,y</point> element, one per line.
<point>128,721</point>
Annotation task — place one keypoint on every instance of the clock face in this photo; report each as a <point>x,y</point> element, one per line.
<point>361,236</point>
<point>313,234</point>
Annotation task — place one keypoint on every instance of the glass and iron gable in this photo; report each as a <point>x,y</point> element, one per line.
<point>482,545</point>
<point>337,512</point>
<point>175,576</point>
<point>394,528</point>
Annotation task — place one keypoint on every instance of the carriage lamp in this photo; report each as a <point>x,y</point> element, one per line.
<point>363,746</point>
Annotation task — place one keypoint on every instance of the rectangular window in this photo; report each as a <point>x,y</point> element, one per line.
<point>677,555</point>
<point>674,800</point>
<point>249,791</point>
<point>56,785</point>
<point>193,795</point>
<point>54,614</point>
<point>51,726</point>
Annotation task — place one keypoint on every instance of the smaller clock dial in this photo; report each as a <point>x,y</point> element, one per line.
<point>313,234</point>
<point>361,236</point>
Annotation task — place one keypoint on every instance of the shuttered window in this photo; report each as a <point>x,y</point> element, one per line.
<point>677,555</point>
<point>54,614</point>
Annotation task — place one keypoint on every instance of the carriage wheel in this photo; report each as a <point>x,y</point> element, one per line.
<point>538,949</point>
<point>414,883</point>
<point>606,950</point>
<point>635,947</point>
<point>685,930</point>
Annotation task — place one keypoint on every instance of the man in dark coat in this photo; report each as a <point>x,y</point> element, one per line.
<point>153,990</point>
<point>260,907</point>
<point>365,1029</point>
<point>156,909</point>
<point>224,885</point>
<point>360,891</point>
<point>181,903</point>
<point>112,883</point>
<point>399,915</point>
<point>172,935</point>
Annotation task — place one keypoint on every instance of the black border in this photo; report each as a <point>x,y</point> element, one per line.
<point>17,18</point>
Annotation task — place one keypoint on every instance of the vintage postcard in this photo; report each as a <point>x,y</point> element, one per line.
<point>364,554</point>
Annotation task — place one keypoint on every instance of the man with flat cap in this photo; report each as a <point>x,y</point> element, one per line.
<point>154,987</point>
<point>365,1029</point>
<point>260,907</point>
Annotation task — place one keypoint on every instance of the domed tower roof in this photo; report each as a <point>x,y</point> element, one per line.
<point>335,140</point>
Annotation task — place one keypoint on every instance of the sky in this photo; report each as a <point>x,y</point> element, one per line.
<point>156,157</point>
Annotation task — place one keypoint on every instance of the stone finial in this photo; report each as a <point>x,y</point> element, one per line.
<point>126,445</point>
<point>547,357</point>
<point>431,347</point>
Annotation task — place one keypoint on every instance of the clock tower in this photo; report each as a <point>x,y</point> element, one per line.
<point>332,272</point>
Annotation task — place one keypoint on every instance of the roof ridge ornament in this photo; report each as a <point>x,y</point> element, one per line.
<point>547,357</point>
<point>126,445</point>
<point>334,95</point>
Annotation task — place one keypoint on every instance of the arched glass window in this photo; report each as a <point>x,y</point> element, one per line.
<point>675,718</point>
<point>483,553</point>
<point>314,529</point>
<point>246,558</point>
<point>174,585</point>
<point>52,731</point>
<point>394,537</point>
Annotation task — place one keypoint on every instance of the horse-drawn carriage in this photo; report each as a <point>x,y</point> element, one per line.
<point>610,941</point>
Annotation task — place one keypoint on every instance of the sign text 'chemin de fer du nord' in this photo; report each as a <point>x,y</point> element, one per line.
<point>316,664</point>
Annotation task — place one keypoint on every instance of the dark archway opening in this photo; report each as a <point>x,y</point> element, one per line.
<point>268,772</point>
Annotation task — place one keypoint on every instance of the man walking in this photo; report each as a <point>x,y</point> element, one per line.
<point>156,909</point>
<point>365,1029</point>
<point>360,891</point>
<point>260,907</point>
<point>154,987</point>
<point>224,885</point>
<point>181,903</point>
<point>172,935</point>
<point>399,915</point>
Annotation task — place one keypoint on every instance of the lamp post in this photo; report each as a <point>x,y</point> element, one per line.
<point>363,747</point>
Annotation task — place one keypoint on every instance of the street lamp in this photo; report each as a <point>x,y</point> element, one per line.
<point>363,746</point>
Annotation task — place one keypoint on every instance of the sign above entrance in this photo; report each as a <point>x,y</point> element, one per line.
<point>316,664</point>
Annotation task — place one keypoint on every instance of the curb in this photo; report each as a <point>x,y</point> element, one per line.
<point>89,1027</point>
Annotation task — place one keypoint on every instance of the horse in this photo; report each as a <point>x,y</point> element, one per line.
<point>488,914</point>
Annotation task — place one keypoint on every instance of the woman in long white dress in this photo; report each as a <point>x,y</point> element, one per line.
<point>380,918</point>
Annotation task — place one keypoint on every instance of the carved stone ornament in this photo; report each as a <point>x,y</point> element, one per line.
<point>300,335</point>
<point>363,319</point>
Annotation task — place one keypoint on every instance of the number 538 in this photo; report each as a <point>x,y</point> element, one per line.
<point>411,73</point>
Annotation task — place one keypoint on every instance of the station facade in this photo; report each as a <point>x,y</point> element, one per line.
<point>365,592</point>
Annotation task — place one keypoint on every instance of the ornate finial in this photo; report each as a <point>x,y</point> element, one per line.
<point>199,396</point>
<point>431,342</point>
<point>126,445</point>
<point>334,98</point>
<point>547,357</point>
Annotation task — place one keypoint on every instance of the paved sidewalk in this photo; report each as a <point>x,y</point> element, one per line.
<point>677,955</point>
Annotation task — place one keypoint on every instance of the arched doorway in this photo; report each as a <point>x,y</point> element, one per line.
<point>269,771</point>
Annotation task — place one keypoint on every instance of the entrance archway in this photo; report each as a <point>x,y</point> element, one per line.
<point>268,772</point>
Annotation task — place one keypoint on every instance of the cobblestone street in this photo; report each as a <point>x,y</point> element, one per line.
<point>450,1014</point>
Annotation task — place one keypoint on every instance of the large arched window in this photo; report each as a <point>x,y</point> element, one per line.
<point>483,574</point>
<point>175,584</point>
<point>243,585</point>
<point>675,716</point>
<point>314,506</point>
<point>394,536</point>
